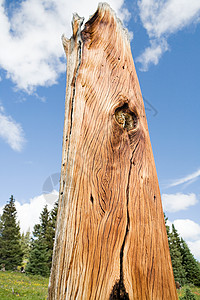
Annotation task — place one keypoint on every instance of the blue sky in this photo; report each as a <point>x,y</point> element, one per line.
<point>165,45</point>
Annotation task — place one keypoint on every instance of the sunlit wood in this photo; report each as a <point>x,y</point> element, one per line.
<point>111,241</point>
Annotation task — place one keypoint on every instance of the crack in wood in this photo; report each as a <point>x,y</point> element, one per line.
<point>111,241</point>
<point>74,92</point>
<point>119,291</point>
<point>91,198</point>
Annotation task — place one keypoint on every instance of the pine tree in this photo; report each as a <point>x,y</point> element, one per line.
<point>38,258</point>
<point>186,269</point>
<point>44,221</point>
<point>51,231</point>
<point>176,257</point>
<point>42,245</point>
<point>190,264</point>
<point>46,233</point>
<point>26,244</point>
<point>10,247</point>
<point>167,226</point>
<point>175,253</point>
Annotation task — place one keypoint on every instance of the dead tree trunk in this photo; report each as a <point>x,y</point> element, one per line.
<point>111,241</point>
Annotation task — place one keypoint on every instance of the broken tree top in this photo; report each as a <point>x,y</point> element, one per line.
<point>111,241</point>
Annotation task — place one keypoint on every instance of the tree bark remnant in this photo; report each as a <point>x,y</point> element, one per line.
<point>111,241</point>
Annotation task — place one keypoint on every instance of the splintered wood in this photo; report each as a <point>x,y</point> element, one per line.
<point>111,241</point>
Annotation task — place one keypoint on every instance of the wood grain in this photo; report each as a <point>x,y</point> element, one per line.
<point>111,240</point>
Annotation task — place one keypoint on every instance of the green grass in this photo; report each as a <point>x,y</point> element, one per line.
<point>195,290</point>
<point>16,285</point>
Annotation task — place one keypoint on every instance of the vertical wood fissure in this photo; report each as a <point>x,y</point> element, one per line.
<point>121,280</point>
<point>108,220</point>
<point>73,49</point>
<point>74,93</point>
<point>79,51</point>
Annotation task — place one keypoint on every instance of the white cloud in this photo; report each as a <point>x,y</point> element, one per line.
<point>190,232</point>
<point>28,213</point>
<point>195,248</point>
<point>162,18</point>
<point>152,54</point>
<point>186,179</point>
<point>188,229</point>
<point>179,201</point>
<point>1,109</point>
<point>11,131</point>
<point>31,51</point>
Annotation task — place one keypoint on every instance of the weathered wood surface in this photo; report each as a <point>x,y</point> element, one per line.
<point>111,240</point>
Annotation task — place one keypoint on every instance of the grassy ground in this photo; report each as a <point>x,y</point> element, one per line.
<point>194,290</point>
<point>15,285</point>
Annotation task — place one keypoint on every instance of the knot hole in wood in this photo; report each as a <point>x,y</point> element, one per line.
<point>126,118</point>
